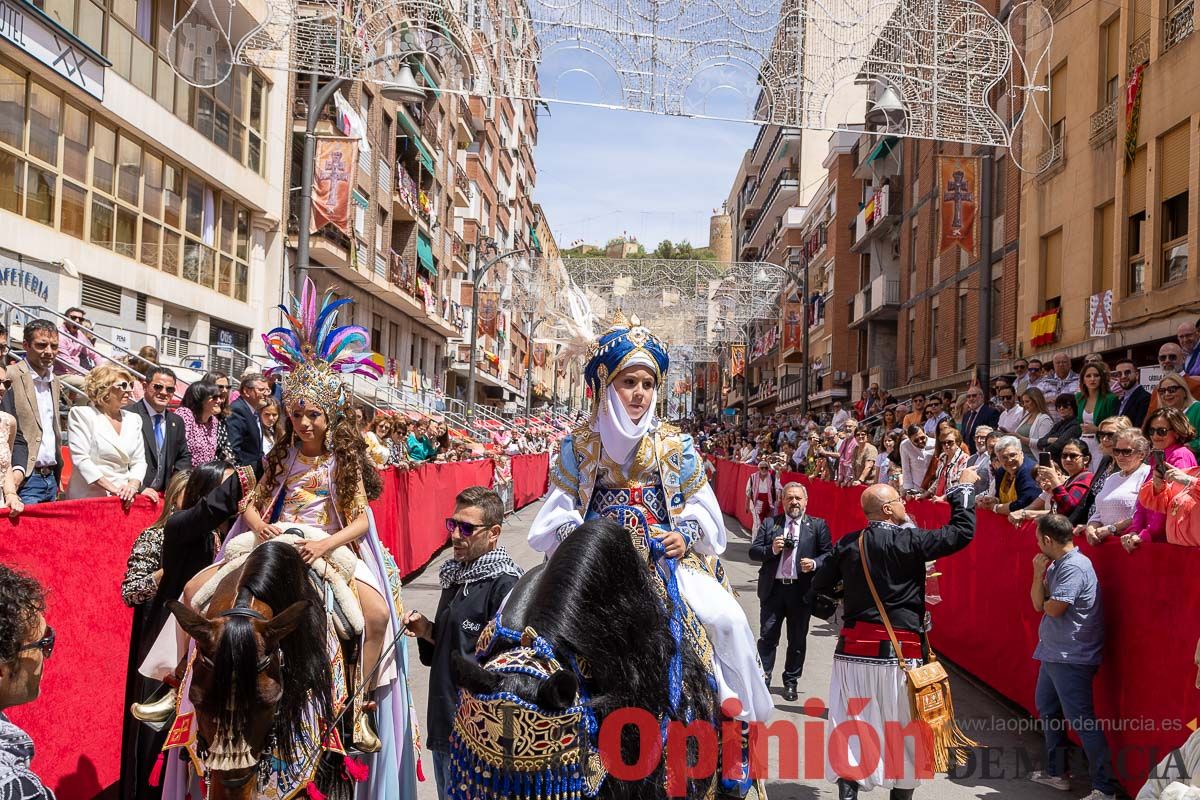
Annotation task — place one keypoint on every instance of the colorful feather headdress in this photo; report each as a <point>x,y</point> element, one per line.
<point>313,355</point>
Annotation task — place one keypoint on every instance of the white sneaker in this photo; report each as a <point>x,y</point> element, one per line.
<point>1060,782</point>
<point>1096,794</point>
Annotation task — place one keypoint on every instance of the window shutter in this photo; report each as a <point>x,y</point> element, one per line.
<point>1104,247</point>
<point>1052,265</point>
<point>100,295</point>
<point>1058,96</point>
<point>1175,162</point>
<point>1112,58</point>
<point>1135,183</point>
<point>1141,17</point>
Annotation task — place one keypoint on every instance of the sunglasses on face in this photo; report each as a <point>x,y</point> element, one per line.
<point>1034,369</point>
<point>159,388</point>
<point>1105,435</point>
<point>77,319</point>
<point>1159,431</point>
<point>45,644</point>
<point>1169,389</point>
<point>464,529</point>
<point>1122,451</point>
<point>1162,359</point>
<point>122,386</point>
<point>1020,367</point>
<point>948,442</point>
<point>1071,456</point>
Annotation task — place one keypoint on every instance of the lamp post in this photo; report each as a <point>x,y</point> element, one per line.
<point>477,274</point>
<point>531,325</point>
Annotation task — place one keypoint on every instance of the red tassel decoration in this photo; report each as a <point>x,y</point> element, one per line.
<point>157,770</point>
<point>356,770</point>
<point>313,792</point>
<point>203,790</point>
<point>420,770</point>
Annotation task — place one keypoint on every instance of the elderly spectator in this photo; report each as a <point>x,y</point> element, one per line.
<point>242,423</point>
<point>1135,400</point>
<point>1066,427</point>
<point>917,415</point>
<point>934,413</point>
<point>397,443</point>
<point>1015,484</point>
<point>163,436</point>
<point>840,416</point>
<point>1107,465</point>
<point>1063,490</point>
<point>862,466</point>
<point>1036,422</point>
<point>203,427</point>
<point>108,454</point>
<point>1170,431</point>
<point>1095,401</point>
<point>846,450</point>
<point>1166,428</point>
<point>420,446</point>
<point>1189,342</point>
<point>1037,371</point>
<point>26,642</point>
<point>950,461</point>
<point>1115,502</point>
<point>1170,357</point>
<point>270,424</point>
<point>1060,379</point>
<point>33,399</point>
<point>1173,392</point>
<point>8,438</point>
<point>916,453</point>
<point>981,462</point>
<point>1021,370</point>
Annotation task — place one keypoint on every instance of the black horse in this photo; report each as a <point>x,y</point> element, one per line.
<point>598,606</point>
<point>262,667</point>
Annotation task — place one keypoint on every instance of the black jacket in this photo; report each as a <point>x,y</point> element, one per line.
<point>245,435</point>
<point>1134,405</point>
<point>462,612</point>
<point>897,556</point>
<point>1061,431</point>
<point>987,415</point>
<point>813,542</point>
<point>176,456</point>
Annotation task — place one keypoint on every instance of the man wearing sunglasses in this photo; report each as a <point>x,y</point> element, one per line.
<point>474,584</point>
<point>75,356</point>
<point>26,642</point>
<point>1135,400</point>
<point>163,435</point>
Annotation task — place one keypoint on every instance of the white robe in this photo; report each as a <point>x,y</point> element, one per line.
<point>752,488</point>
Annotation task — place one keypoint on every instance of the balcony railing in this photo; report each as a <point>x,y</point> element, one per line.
<point>785,176</point>
<point>1051,157</point>
<point>407,188</point>
<point>1139,52</point>
<point>1179,24</point>
<point>873,215</point>
<point>1103,124</point>
<point>429,130</point>
<point>461,181</point>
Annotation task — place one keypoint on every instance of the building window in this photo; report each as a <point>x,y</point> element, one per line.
<point>1102,247</point>
<point>1135,193</point>
<point>1110,65</point>
<point>960,320</point>
<point>1051,288</point>
<point>1173,189</point>
<point>933,330</point>
<point>1056,104</point>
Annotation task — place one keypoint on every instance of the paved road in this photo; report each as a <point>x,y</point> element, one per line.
<point>1000,777</point>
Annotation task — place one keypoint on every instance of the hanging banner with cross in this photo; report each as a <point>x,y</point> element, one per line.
<point>334,174</point>
<point>958,184</point>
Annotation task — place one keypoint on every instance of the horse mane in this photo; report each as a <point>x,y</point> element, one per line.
<point>597,571</point>
<point>274,574</point>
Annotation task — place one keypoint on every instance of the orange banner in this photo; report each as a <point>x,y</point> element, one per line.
<point>737,359</point>
<point>793,325</point>
<point>958,182</point>
<point>334,173</point>
<point>489,312</point>
<point>539,355</point>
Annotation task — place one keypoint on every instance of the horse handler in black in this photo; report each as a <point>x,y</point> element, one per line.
<point>474,584</point>
<point>791,547</point>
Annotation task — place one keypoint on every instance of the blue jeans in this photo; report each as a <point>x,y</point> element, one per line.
<point>1064,695</point>
<point>441,771</point>
<point>38,489</point>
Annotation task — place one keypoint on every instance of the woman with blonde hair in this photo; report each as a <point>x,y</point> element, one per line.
<point>107,451</point>
<point>1035,424</point>
<point>1173,392</point>
<point>376,435</point>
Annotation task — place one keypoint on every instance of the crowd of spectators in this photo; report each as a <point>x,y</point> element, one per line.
<point>1117,458</point>
<point>130,424</point>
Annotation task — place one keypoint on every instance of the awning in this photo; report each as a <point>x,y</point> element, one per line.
<point>411,130</point>
<point>429,80</point>
<point>882,149</point>
<point>425,255</point>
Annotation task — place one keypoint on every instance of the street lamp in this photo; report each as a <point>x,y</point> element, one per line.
<point>477,274</point>
<point>531,325</point>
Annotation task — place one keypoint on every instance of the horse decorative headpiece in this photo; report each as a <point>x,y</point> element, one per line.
<point>313,355</point>
<point>509,747</point>
<point>619,345</point>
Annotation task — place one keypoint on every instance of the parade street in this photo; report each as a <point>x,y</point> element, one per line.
<point>978,711</point>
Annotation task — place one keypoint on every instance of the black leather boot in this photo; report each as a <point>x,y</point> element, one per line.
<point>847,790</point>
<point>902,794</point>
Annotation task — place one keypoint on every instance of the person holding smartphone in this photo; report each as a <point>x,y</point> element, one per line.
<point>1169,429</point>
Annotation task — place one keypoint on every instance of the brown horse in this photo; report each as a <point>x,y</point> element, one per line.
<point>261,665</point>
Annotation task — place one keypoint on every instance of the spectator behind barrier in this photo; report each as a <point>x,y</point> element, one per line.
<point>108,454</point>
<point>1115,502</point>
<point>33,399</point>
<point>1015,485</point>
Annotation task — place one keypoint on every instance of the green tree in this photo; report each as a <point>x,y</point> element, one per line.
<point>684,250</point>
<point>665,249</point>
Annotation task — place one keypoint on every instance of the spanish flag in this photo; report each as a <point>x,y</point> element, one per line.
<point>1043,327</point>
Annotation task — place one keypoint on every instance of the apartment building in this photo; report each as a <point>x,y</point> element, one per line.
<point>154,205</point>
<point>1107,219</point>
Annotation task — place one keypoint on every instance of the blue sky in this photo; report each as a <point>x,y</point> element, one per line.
<point>601,172</point>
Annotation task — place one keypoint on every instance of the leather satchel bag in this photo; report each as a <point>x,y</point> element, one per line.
<point>928,691</point>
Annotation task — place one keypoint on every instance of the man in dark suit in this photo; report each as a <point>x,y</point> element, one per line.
<point>976,413</point>
<point>245,434</point>
<point>791,547</point>
<point>162,431</point>
<point>1135,400</point>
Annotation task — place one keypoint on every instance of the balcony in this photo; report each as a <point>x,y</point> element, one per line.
<point>788,181</point>
<point>1050,161</point>
<point>874,220</point>
<point>462,123</point>
<point>880,300</point>
<point>765,392</point>
<point>429,133</point>
<point>1103,124</point>
<point>462,187</point>
<point>1139,51</point>
<point>881,161</point>
<point>406,197</point>
<point>1179,24</point>
<point>458,252</point>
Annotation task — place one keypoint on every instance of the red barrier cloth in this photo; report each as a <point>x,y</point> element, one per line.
<point>415,512</point>
<point>78,551</point>
<point>531,478</point>
<point>1145,690</point>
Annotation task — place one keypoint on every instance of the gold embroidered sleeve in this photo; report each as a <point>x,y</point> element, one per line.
<point>695,483</point>
<point>358,503</point>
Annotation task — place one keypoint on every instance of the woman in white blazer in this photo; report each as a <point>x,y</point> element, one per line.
<point>107,453</point>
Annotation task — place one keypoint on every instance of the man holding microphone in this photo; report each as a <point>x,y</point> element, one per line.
<point>791,546</point>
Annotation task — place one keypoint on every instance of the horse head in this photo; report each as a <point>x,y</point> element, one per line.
<point>256,668</point>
